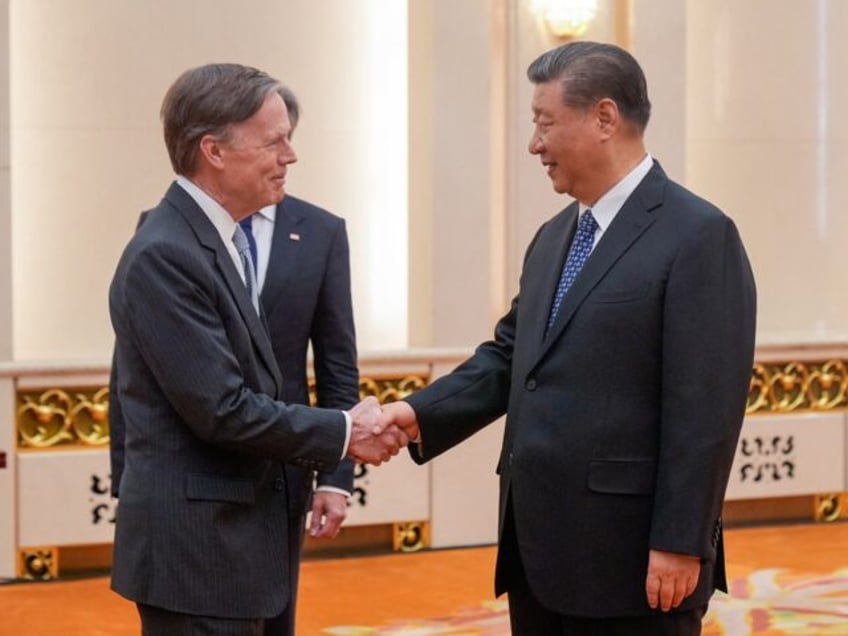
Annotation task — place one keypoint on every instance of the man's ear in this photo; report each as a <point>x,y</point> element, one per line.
<point>608,116</point>
<point>210,151</point>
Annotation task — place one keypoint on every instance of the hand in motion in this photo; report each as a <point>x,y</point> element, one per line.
<point>371,443</point>
<point>402,415</point>
<point>329,509</point>
<point>671,578</point>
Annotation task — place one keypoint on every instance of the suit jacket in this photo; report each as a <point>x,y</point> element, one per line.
<point>306,297</point>
<point>198,436</point>
<point>622,422</point>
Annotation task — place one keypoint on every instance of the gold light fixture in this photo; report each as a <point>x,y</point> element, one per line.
<point>567,19</point>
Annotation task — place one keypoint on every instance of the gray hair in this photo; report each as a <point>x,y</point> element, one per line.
<point>207,100</point>
<point>292,105</point>
<point>591,71</point>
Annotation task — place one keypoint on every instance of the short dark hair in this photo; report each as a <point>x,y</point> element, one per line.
<point>208,100</point>
<point>292,105</point>
<point>591,71</point>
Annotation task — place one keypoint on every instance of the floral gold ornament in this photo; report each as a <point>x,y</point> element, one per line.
<point>43,420</point>
<point>787,387</point>
<point>62,416</point>
<point>38,564</point>
<point>411,536</point>
<point>90,418</point>
<point>831,507</point>
<point>386,389</point>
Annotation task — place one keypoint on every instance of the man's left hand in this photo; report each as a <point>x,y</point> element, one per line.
<point>671,578</point>
<point>329,509</point>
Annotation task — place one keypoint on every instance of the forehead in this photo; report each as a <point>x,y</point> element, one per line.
<point>271,118</point>
<point>547,97</point>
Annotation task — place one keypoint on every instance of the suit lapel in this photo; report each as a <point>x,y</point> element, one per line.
<point>209,238</point>
<point>285,252</point>
<point>635,216</point>
<point>540,290</point>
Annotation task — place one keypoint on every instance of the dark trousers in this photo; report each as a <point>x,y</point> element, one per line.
<point>156,621</point>
<point>528,617</point>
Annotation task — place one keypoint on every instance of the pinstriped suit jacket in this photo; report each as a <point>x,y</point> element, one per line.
<point>198,438</point>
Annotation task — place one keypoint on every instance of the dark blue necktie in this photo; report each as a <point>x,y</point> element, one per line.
<point>581,246</point>
<point>247,226</point>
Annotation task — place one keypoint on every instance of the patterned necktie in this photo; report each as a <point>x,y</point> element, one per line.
<point>243,248</point>
<point>584,238</point>
<point>247,226</point>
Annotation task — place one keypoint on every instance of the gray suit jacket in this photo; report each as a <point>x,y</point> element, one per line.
<point>306,297</point>
<point>198,438</point>
<point>622,423</point>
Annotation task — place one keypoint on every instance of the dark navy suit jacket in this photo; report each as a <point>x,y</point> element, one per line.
<point>622,422</point>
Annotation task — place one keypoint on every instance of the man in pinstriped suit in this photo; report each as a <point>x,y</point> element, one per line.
<point>198,436</point>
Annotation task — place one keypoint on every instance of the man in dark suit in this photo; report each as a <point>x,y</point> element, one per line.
<point>198,434</point>
<point>303,271</point>
<point>623,368</point>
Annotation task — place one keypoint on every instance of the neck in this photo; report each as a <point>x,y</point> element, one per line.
<point>620,162</point>
<point>211,187</point>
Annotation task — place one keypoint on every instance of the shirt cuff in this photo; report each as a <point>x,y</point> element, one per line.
<point>348,425</point>
<point>340,491</point>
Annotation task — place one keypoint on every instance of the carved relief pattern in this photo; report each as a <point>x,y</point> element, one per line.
<point>767,459</point>
<point>794,386</point>
<point>60,416</point>
<point>410,536</point>
<point>831,506</point>
<point>39,564</point>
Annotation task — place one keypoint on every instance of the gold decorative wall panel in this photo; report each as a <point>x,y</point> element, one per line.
<point>831,507</point>
<point>38,564</point>
<point>387,388</point>
<point>62,416</point>
<point>786,387</point>
<point>410,536</point>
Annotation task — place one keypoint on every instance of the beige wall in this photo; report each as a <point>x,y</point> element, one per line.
<point>766,140</point>
<point>745,95</point>
<point>5,196</point>
<point>87,80</point>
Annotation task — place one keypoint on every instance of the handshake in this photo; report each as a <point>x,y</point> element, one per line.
<point>377,434</point>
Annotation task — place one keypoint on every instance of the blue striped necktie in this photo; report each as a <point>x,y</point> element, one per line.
<point>247,226</point>
<point>243,248</point>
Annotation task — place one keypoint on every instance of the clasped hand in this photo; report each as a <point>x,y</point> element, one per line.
<point>371,441</point>
<point>378,434</point>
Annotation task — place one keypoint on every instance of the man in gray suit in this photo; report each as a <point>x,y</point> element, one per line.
<point>303,274</point>
<point>199,437</point>
<point>623,368</point>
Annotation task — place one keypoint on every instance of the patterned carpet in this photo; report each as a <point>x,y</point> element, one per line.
<point>768,602</point>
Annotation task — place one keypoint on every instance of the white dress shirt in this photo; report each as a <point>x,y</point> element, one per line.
<point>610,203</point>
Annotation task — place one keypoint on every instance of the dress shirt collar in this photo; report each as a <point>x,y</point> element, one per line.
<point>269,212</point>
<point>219,217</point>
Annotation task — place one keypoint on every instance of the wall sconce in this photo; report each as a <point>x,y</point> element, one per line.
<point>567,19</point>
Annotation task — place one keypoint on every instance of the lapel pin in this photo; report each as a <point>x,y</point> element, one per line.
<point>294,237</point>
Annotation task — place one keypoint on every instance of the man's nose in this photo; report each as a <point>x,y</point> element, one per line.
<point>535,145</point>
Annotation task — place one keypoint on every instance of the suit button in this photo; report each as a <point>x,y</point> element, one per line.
<point>509,459</point>
<point>531,384</point>
<point>279,484</point>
